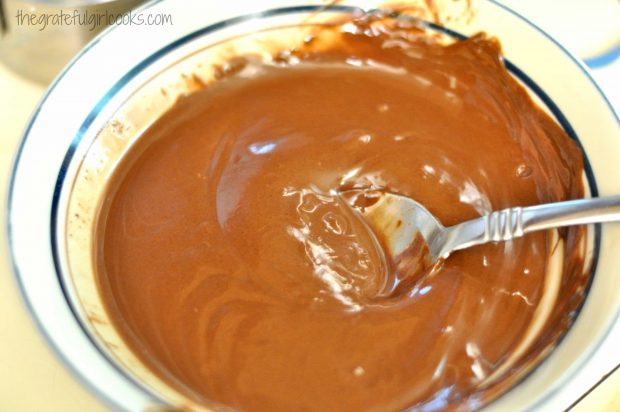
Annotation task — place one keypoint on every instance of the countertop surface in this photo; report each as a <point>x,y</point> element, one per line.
<point>33,379</point>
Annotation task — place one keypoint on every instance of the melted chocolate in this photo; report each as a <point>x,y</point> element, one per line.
<point>236,276</point>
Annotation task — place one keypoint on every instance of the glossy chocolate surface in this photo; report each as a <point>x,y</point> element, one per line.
<point>236,276</point>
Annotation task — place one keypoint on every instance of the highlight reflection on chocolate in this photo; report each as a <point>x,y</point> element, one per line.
<point>236,276</point>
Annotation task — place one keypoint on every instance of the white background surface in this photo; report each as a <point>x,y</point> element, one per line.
<point>33,380</point>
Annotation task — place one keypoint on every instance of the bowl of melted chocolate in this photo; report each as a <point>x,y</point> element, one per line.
<point>207,259</point>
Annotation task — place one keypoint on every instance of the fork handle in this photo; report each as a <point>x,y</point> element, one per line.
<point>514,222</point>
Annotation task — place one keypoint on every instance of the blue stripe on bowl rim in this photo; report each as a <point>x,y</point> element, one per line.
<point>174,45</point>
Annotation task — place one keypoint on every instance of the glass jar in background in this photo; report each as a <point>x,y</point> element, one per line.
<point>39,37</point>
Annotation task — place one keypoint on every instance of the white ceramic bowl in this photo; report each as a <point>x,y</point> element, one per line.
<point>100,104</point>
